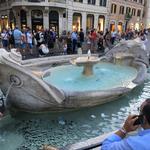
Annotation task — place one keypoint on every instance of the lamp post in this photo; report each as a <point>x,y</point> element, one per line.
<point>128,16</point>
<point>2,17</point>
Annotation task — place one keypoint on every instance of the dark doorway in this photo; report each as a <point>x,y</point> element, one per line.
<point>23,18</point>
<point>37,19</point>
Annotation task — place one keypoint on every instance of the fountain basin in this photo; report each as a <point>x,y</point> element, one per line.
<point>29,91</point>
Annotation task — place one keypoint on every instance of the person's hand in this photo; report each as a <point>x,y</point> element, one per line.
<point>128,125</point>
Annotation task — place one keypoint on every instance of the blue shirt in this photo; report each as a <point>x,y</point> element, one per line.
<point>139,142</point>
<point>74,36</point>
<point>17,35</point>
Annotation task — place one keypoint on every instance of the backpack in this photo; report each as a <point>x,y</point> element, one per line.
<point>37,36</point>
<point>11,39</point>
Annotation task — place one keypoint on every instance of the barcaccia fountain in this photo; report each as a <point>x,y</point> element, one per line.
<point>70,82</point>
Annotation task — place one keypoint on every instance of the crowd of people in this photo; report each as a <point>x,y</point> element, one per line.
<point>26,40</point>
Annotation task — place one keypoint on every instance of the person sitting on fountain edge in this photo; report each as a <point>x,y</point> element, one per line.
<point>117,141</point>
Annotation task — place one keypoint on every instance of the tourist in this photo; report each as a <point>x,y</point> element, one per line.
<point>113,36</point>
<point>100,43</point>
<point>74,38</point>
<point>11,38</point>
<point>40,37</point>
<point>81,36</point>
<point>107,38</point>
<point>17,38</point>
<point>5,38</point>
<point>69,43</point>
<point>88,40</point>
<point>29,40</point>
<point>93,39</point>
<point>43,50</point>
<point>50,39</point>
<point>117,141</point>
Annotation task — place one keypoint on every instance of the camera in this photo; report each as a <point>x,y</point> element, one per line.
<point>139,121</point>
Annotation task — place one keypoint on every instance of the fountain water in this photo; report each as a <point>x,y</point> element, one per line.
<point>87,63</point>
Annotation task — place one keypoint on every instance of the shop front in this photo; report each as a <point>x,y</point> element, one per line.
<point>54,21</point>
<point>23,19</point>
<point>112,26</point>
<point>12,20</point>
<point>101,23</point>
<point>120,27</point>
<point>3,22</point>
<point>37,19</point>
<point>89,22</point>
<point>77,21</point>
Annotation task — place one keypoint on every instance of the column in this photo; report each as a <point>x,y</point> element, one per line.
<point>69,19</point>
<point>96,16</point>
<point>84,17</point>
<point>29,24</point>
<point>17,16</point>
<point>106,23</point>
<point>84,1</point>
<point>62,26</point>
<point>46,18</point>
<point>97,3</point>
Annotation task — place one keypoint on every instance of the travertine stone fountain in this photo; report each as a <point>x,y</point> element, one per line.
<point>86,62</point>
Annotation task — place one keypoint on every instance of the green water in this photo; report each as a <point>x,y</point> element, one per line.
<point>106,76</point>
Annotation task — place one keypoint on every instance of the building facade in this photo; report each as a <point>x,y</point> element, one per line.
<point>58,14</point>
<point>124,14</point>
<point>147,13</point>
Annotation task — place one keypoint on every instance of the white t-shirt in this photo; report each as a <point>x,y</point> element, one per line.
<point>4,36</point>
<point>44,49</point>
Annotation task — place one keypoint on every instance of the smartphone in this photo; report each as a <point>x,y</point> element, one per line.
<point>139,121</point>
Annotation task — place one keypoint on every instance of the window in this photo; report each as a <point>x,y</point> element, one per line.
<point>113,8</point>
<point>133,12</point>
<point>103,3</point>
<point>91,2</point>
<point>81,1</point>
<point>121,11</point>
<point>128,10</point>
<point>141,1</point>
<point>138,13</point>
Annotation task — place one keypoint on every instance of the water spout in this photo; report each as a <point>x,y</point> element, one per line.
<point>89,54</point>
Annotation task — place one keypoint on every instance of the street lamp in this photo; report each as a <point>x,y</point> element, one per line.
<point>128,16</point>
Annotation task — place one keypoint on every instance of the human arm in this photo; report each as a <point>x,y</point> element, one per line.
<point>115,141</point>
